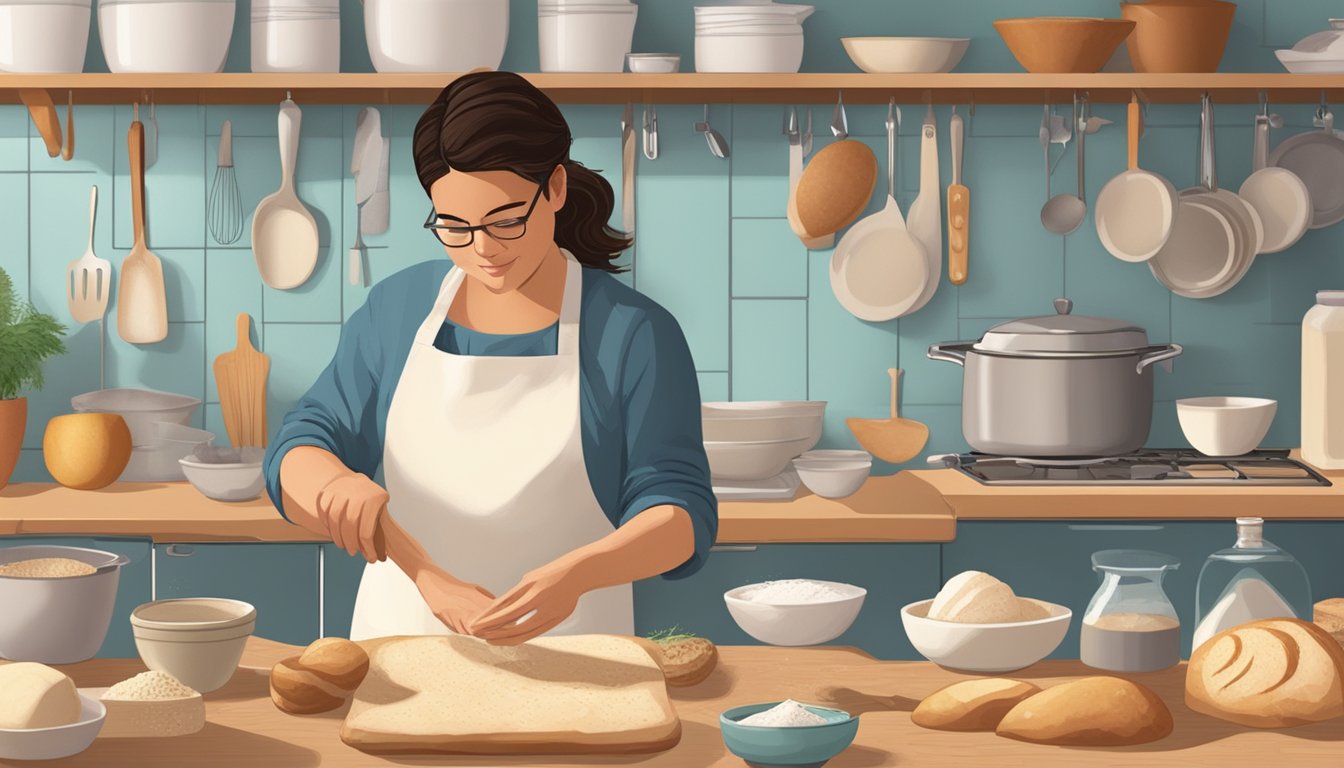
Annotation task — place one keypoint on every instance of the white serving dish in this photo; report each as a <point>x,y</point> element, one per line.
<point>653,63</point>
<point>906,54</point>
<point>586,41</point>
<point>57,620</point>
<point>985,647</point>
<point>798,624</point>
<point>1317,53</point>
<point>752,409</point>
<point>198,640</point>
<point>752,460</point>
<point>44,35</point>
<point>58,741</point>
<point>235,481</point>
<point>833,478</point>
<point>142,409</point>
<point>436,35</point>
<point>760,428</point>
<point>1225,426</point>
<point>296,36</point>
<point>748,53</point>
<point>143,36</point>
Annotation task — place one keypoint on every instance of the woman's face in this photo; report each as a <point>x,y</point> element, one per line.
<point>499,197</point>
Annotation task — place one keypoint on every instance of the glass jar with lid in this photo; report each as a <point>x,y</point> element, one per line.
<point>1251,580</point>
<point>1130,625</point>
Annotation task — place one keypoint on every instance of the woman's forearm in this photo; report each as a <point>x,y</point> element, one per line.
<point>653,542</point>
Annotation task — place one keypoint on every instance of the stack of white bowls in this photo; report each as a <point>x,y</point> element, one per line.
<point>43,35</point>
<point>757,37</point>
<point>296,36</point>
<point>436,35</point>
<point>152,36</point>
<point>585,35</point>
<point>755,440</point>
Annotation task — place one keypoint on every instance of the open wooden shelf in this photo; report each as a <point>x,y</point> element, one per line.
<point>420,88</point>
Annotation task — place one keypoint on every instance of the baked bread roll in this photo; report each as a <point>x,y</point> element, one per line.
<point>971,705</point>
<point>1268,674</point>
<point>1329,615</point>
<point>686,661</point>
<point>1091,712</point>
<point>321,679</point>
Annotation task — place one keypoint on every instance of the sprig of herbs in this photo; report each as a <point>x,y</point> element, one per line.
<point>671,635</point>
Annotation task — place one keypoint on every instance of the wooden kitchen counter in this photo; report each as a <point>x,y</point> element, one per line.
<point>245,729</point>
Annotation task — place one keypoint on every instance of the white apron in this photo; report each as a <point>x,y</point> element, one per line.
<point>484,467</point>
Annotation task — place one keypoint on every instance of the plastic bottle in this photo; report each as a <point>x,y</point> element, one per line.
<point>1323,382</point>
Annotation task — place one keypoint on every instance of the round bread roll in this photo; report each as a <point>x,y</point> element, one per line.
<point>971,705</point>
<point>687,661</point>
<point>321,679</point>
<point>835,187</point>
<point>1090,712</point>
<point>337,660</point>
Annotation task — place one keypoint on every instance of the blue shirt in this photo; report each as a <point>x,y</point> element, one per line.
<point>639,398</point>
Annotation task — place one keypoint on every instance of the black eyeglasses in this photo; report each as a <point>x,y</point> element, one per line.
<point>461,235</point>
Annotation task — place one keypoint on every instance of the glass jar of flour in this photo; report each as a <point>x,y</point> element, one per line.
<point>1130,624</point>
<point>1323,382</point>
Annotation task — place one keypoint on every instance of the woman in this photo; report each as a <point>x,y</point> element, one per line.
<point>537,421</point>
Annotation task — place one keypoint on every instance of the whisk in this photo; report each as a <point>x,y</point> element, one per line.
<point>225,203</point>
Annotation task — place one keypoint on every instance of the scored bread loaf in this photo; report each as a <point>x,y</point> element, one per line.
<point>971,705</point>
<point>1090,712</point>
<point>1329,615</point>
<point>1274,673</point>
<point>321,679</point>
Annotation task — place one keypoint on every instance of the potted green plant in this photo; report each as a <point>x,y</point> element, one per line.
<point>27,338</point>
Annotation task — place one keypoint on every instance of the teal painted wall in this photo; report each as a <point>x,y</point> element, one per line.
<point>712,242</point>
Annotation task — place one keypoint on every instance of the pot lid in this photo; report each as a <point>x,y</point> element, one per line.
<point>1063,332</point>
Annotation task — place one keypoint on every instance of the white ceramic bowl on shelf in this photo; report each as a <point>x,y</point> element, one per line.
<point>144,36</point>
<point>198,640</point>
<point>226,480</point>
<point>585,39</point>
<point>906,54</point>
<point>797,623</point>
<point>44,35</point>
<point>436,35</point>
<point>985,648</point>
<point>1225,426</point>
<point>653,63</point>
<point>754,53</point>
<point>58,741</point>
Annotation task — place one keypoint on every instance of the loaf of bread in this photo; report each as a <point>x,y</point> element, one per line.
<point>686,661</point>
<point>971,705</point>
<point>1274,673</point>
<point>321,679</point>
<point>1090,712</point>
<point>1329,615</point>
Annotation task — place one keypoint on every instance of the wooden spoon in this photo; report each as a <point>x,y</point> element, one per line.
<point>893,440</point>
<point>142,306</point>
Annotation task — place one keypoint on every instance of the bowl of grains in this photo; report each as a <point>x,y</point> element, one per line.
<point>57,602</point>
<point>795,611</point>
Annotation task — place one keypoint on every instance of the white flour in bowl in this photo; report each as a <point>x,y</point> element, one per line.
<point>786,714</point>
<point>791,592</point>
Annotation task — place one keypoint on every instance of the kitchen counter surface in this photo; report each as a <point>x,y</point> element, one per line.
<point>245,728</point>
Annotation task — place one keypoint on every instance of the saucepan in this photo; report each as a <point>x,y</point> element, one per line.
<point>1058,385</point>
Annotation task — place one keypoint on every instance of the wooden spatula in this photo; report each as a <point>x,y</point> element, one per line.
<point>240,376</point>
<point>895,440</point>
<point>142,306</point>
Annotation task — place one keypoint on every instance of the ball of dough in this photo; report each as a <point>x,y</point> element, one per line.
<point>36,696</point>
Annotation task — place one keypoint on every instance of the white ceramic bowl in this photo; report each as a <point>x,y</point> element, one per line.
<point>1225,426</point>
<point>586,41</point>
<point>233,481</point>
<point>752,460</point>
<point>833,478</point>
<point>653,63</point>
<point>147,36</point>
<point>906,54</point>
<point>837,454</point>
<point>985,647</point>
<point>38,36</point>
<point>748,53</point>
<point>436,35</point>
<point>198,640</point>
<point>142,409</point>
<point>762,420</point>
<point>56,742</point>
<point>796,624</point>
<point>57,620</point>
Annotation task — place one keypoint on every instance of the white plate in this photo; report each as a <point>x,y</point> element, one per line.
<point>879,271</point>
<point>1317,158</point>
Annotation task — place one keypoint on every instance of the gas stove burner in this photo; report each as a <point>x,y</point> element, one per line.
<point>1147,467</point>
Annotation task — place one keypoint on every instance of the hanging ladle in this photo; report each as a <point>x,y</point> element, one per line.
<point>1064,213</point>
<point>717,145</point>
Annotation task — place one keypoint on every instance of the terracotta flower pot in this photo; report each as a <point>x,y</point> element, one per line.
<point>13,420</point>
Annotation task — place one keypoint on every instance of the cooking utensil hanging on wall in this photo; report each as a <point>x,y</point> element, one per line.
<point>284,232</point>
<point>1136,210</point>
<point>895,440</point>
<point>799,147</point>
<point>152,134</point>
<point>68,149</point>
<point>378,210</point>
<point>43,113</point>
<point>718,146</point>
<point>225,201</point>
<point>958,208</point>
<point>1317,158</point>
<point>88,278</point>
<point>366,183</point>
<point>1277,194</point>
<point>1064,213</point>
<point>650,135</point>
<point>142,306</point>
<point>628,166</point>
<point>240,377</point>
<point>926,212</point>
<point>840,120</point>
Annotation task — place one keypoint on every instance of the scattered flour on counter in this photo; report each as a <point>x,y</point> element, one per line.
<point>786,714</point>
<point>149,686</point>
<point>792,591</point>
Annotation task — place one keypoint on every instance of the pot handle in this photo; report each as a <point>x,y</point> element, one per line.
<point>1158,355</point>
<point>950,352</point>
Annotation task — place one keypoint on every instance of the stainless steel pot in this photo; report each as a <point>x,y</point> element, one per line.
<point>1057,385</point>
<point>57,620</point>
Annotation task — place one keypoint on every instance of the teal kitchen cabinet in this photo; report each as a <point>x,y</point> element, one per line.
<point>893,574</point>
<point>281,580</point>
<point>1052,560</point>
<point>134,584</point>
<point>341,574</point>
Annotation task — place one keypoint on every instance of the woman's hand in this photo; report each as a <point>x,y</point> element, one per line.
<point>452,601</point>
<point>552,591</point>
<point>351,507</point>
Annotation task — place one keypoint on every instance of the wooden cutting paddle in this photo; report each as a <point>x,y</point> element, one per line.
<point>894,440</point>
<point>142,306</point>
<point>240,376</point>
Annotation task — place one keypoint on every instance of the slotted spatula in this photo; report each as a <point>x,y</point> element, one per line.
<point>88,277</point>
<point>240,376</point>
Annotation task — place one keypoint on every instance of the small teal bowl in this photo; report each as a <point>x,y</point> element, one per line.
<point>806,746</point>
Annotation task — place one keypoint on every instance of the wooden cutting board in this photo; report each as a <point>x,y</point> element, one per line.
<point>584,694</point>
<point>240,377</point>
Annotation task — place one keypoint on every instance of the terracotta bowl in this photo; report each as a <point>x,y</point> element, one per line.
<point>1178,35</point>
<point>1062,44</point>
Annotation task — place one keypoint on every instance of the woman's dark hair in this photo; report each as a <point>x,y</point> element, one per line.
<point>498,121</point>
